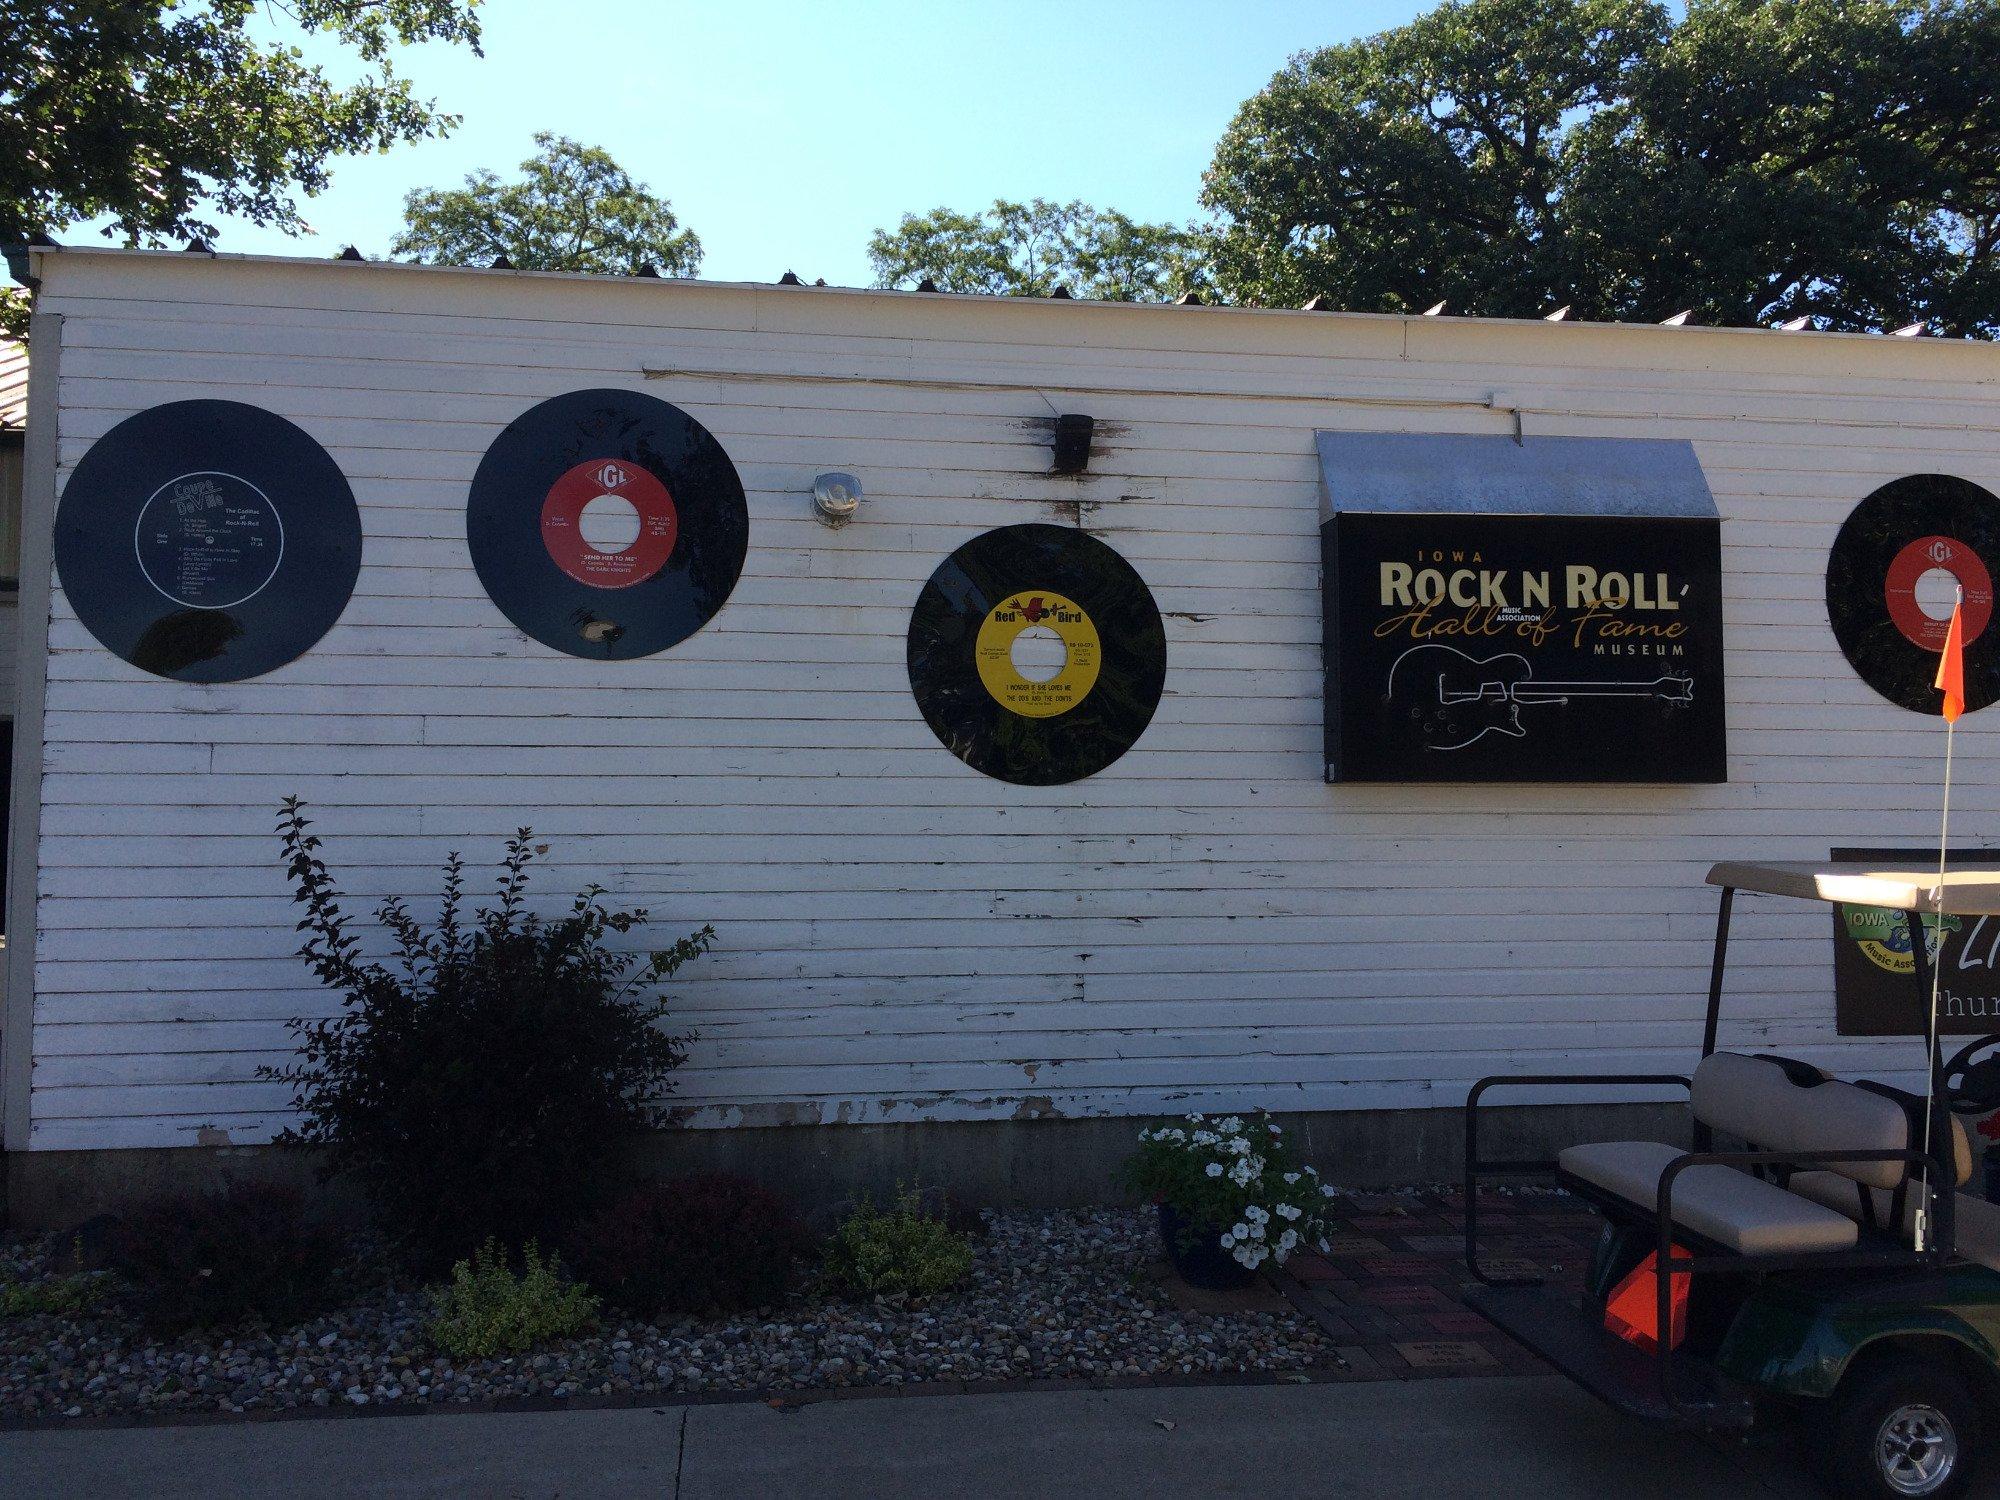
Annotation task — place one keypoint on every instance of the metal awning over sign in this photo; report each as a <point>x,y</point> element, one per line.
<point>1480,474</point>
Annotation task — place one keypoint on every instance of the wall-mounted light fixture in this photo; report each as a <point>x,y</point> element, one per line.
<point>1072,445</point>
<point>836,497</point>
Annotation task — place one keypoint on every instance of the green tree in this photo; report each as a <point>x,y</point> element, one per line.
<point>1831,159</point>
<point>152,114</point>
<point>1031,249</point>
<point>1122,260</point>
<point>574,209</point>
<point>1760,159</point>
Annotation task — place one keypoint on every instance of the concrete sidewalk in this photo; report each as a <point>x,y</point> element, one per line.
<point>1505,1436</point>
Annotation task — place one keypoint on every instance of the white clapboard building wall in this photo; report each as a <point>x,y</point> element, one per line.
<point>903,941</point>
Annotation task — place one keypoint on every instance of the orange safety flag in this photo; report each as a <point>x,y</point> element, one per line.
<point>1951,667</point>
<point>1632,1311</point>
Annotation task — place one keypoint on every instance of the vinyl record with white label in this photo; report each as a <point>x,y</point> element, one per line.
<point>1036,654</point>
<point>207,541</point>
<point>607,524</point>
<point>1896,567</point>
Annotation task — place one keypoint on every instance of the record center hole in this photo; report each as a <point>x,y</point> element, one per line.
<point>1936,591</point>
<point>1038,653</point>
<point>609,523</point>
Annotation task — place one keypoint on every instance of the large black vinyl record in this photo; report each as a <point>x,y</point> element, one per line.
<point>207,541</point>
<point>1889,587</point>
<point>1037,654</point>
<point>607,524</point>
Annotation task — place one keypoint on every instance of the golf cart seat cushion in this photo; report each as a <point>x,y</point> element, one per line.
<point>1763,1101</point>
<point>1975,1222</point>
<point>1976,1230</point>
<point>1732,1208</point>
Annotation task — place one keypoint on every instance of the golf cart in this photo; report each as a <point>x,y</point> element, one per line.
<point>1811,1252</point>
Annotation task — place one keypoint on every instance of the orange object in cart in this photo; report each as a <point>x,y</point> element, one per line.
<point>1632,1311</point>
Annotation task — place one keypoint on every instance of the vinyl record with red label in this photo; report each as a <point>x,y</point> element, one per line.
<point>207,541</point>
<point>607,524</point>
<point>1036,654</point>
<point>1900,560</point>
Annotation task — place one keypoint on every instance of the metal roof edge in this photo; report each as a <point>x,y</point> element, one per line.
<point>1566,328</point>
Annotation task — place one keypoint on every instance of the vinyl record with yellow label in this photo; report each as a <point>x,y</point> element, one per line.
<point>1069,655</point>
<point>1036,654</point>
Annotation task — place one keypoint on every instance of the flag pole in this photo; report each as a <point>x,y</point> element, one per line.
<point>1951,678</point>
<point>1937,968</point>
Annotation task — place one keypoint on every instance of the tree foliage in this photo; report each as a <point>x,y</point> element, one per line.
<point>1761,159</point>
<point>573,209</point>
<point>1031,249</point>
<point>154,114</point>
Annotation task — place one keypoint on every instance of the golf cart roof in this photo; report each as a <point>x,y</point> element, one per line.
<point>1966,893</point>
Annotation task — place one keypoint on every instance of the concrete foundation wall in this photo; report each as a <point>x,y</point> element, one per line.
<point>1016,1163</point>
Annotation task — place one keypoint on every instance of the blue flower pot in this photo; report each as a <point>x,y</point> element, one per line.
<point>1203,1262</point>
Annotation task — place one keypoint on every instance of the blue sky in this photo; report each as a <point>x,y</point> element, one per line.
<point>785,131</point>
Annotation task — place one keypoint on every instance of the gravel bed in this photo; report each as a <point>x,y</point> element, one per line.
<point>1051,1295</point>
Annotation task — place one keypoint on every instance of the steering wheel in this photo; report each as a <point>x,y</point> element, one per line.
<point>1973,1088</point>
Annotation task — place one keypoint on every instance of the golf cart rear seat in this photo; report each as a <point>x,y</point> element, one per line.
<point>1975,1225</point>
<point>1773,1104</point>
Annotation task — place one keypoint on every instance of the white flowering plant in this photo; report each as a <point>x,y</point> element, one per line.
<point>1235,1179</point>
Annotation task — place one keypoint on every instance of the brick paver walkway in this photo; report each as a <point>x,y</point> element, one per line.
<point>1387,1289</point>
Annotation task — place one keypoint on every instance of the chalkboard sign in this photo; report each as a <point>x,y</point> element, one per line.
<point>1468,647</point>
<point>1874,994</point>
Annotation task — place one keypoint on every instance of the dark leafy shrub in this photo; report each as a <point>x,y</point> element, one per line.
<point>244,1254</point>
<point>490,1309</point>
<point>908,1248</point>
<point>696,1245</point>
<point>480,1085</point>
<point>960,1215</point>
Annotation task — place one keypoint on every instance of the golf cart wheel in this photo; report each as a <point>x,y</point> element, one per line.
<point>1905,1428</point>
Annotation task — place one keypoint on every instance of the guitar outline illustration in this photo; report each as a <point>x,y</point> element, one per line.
<point>1492,690</point>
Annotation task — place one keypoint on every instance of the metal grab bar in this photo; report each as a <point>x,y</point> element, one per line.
<point>1474,1167</point>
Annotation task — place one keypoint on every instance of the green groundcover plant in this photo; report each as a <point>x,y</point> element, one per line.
<point>1236,1179</point>
<point>490,1309</point>
<point>72,1293</point>
<point>58,1296</point>
<point>903,1249</point>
